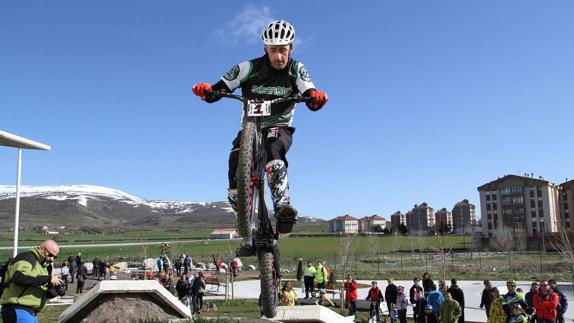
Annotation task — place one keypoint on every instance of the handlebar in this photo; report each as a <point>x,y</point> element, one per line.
<point>223,94</point>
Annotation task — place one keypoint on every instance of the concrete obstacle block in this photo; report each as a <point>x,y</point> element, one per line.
<point>311,313</point>
<point>125,301</point>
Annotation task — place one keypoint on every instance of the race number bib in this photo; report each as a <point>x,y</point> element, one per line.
<point>258,109</point>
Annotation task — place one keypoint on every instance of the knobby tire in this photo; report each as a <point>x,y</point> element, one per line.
<point>269,284</point>
<point>245,171</point>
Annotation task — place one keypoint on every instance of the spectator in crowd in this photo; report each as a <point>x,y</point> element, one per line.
<point>166,263</point>
<point>518,315</point>
<point>429,316</point>
<point>79,259</point>
<point>112,270</point>
<point>65,273</point>
<point>442,287</point>
<point>496,313</point>
<point>376,297</point>
<point>320,276</point>
<point>182,287</point>
<point>309,279</point>
<point>458,295</point>
<point>235,267</point>
<point>96,267</point>
<point>435,300</point>
<point>391,292</point>
<point>187,263</point>
<point>73,268</point>
<point>512,297</point>
<point>103,269</point>
<point>546,304</point>
<point>562,301</point>
<point>198,290</point>
<point>486,297</point>
<point>169,283</point>
<point>421,304</point>
<point>428,284</point>
<point>351,294</point>
<point>288,294</point>
<point>529,298</point>
<point>179,264</point>
<point>324,300</point>
<point>450,310</point>
<point>217,263</point>
<point>159,263</point>
<point>29,283</point>
<point>401,304</point>
<point>412,292</point>
<point>81,275</point>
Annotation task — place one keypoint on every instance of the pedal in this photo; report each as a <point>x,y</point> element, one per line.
<point>286,217</point>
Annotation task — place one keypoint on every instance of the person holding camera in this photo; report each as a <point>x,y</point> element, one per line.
<point>29,283</point>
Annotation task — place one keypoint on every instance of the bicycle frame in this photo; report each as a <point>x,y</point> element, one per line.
<point>261,232</point>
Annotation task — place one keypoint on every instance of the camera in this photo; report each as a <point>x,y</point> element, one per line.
<point>59,290</point>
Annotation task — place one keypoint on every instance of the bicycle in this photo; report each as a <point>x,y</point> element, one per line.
<point>253,220</point>
<point>374,315</point>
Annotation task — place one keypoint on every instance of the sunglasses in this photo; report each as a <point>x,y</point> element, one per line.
<point>51,254</point>
<point>542,285</point>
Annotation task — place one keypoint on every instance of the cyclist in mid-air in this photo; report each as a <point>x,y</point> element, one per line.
<point>274,75</point>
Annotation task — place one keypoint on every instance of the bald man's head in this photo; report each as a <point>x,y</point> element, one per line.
<point>50,250</point>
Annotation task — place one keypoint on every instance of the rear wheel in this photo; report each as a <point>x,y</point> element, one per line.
<point>269,284</point>
<point>245,171</point>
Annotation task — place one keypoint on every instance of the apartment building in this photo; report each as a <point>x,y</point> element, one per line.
<point>566,204</point>
<point>464,217</point>
<point>443,221</point>
<point>397,219</point>
<point>421,220</point>
<point>344,224</point>
<point>518,205</point>
<point>370,223</point>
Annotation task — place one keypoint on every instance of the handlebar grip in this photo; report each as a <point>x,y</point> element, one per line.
<point>212,96</point>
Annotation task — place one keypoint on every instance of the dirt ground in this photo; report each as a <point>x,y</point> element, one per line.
<point>123,308</point>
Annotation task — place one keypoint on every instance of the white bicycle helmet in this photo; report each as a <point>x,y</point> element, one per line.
<point>278,32</point>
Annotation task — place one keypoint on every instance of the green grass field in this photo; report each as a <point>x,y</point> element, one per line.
<point>372,257</point>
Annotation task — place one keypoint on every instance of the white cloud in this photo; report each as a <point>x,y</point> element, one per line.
<point>246,26</point>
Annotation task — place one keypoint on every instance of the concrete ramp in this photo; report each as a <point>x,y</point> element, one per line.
<point>311,313</point>
<point>125,301</point>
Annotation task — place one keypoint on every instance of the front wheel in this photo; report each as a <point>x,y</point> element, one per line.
<point>269,284</point>
<point>245,172</point>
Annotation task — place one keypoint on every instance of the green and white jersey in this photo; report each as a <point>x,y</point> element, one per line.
<point>259,80</point>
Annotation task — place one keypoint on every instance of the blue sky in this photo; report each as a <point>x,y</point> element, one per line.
<point>428,99</point>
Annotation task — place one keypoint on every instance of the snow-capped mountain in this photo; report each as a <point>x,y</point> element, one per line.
<point>97,206</point>
<point>83,194</point>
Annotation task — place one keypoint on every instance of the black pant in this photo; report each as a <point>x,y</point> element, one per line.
<point>376,308</point>
<point>65,279</point>
<point>80,286</point>
<point>402,315</point>
<point>277,143</point>
<point>352,308</point>
<point>197,300</point>
<point>309,285</point>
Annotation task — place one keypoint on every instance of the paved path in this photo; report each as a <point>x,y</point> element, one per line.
<point>472,292</point>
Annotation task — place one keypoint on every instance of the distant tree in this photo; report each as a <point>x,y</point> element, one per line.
<point>387,231</point>
<point>403,229</point>
<point>562,244</point>
<point>442,227</point>
<point>378,228</point>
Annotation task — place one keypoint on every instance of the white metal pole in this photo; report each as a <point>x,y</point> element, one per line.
<point>17,212</point>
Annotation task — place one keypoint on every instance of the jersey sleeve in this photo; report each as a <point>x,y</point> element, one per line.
<point>236,75</point>
<point>302,77</point>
